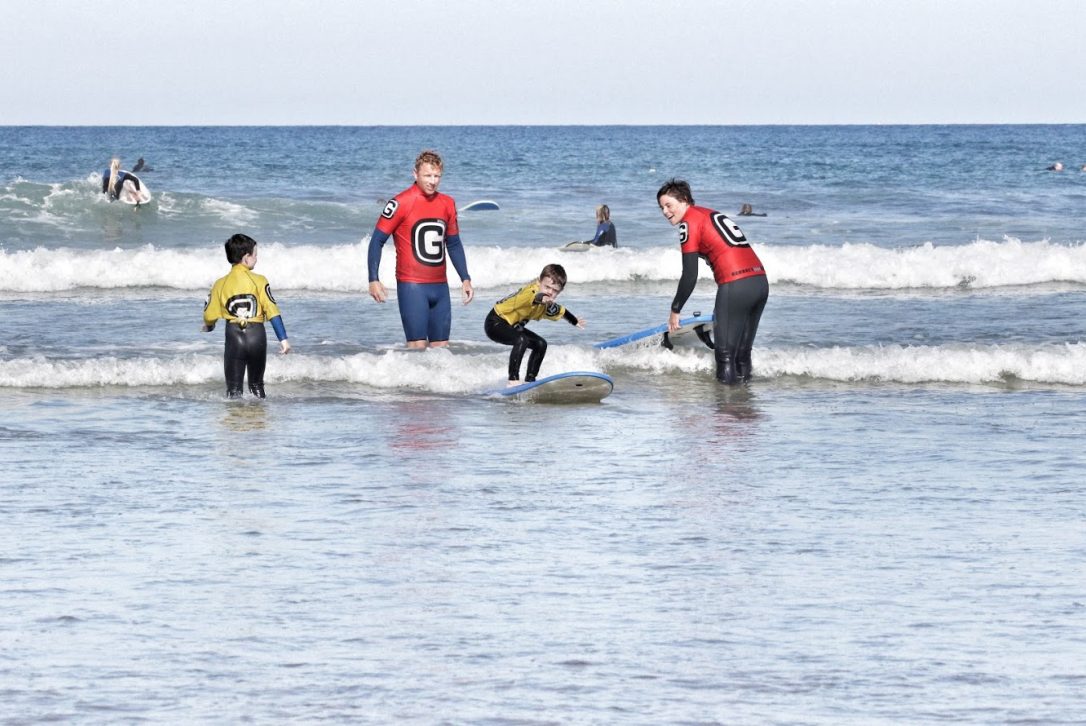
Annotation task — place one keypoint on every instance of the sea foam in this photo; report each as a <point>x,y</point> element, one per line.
<point>449,372</point>
<point>342,268</point>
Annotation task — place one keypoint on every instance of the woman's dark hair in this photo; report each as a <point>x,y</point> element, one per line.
<point>678,189</point>
<point>238,246</point>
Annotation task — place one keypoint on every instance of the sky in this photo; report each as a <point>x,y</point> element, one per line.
<point>453,62</point>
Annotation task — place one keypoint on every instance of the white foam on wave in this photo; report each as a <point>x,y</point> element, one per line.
<point>1063,363</point>
<point>342,268</point>
<point>451,373</point>
<point>230,212</point>
<point>981,264</point>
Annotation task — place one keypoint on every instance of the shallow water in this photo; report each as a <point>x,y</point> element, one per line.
<point>883,527</point>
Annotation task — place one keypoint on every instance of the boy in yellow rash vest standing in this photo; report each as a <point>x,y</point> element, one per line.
<point>244,300</point>
<point>535,301</point>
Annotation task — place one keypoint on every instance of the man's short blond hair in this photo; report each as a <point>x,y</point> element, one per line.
<point>429,156</point>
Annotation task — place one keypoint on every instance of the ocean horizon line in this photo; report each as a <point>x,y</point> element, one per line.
<point>954,124</point>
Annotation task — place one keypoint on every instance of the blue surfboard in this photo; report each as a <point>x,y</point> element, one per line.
<point>572,387</point>
<point>691,330</point>
<point>482,205</point>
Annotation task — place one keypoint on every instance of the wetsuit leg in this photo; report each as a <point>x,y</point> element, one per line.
<point>539,350</point>
<point>439,323</point>
<point>743,367</point>
<point>737,305</point>
<point>257,359</point>
<point>414,309</point>
<point>500,331</point>
<point>234,359</point>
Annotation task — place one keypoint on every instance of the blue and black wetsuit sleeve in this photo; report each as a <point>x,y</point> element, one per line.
<point>455,248</point>
<point>687,281</point>
<point>373,256</point>
<point>279,328</point>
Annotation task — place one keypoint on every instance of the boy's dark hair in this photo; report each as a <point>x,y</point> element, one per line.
<point>238,246</point>
<point>676,188</point>
<point>556,273</point>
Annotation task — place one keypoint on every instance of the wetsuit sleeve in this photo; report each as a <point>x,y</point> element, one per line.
<point>212,307</point>
<point>455,248</point>
<point>687,282</point>
<point>377,241</point>
<point>105,182</point>
<point>279,328</point>
<point>125,176</point>
<point>570,318</point>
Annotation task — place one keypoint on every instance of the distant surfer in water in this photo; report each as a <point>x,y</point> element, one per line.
<point>244,300</point>
<point>423,225</point>
<point>606,236</point>
<point>140,166</point>
<point>1058,166</point>
<point>535,301</point>
<point>113,180</point>
<point>748,211</point>
<point>742,286</point>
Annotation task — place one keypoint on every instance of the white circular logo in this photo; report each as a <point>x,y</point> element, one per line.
<point>242,307</point>
<point>729,231</point>
<point>428,241</point>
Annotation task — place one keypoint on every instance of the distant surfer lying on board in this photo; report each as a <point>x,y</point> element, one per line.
<point>113,179</point>
<point>536,300</point>
<point>742,286</point>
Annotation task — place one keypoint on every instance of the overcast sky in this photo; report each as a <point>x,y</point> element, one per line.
<point>362,62</point>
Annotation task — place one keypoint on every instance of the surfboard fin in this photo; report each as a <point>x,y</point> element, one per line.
<point>705,337</point>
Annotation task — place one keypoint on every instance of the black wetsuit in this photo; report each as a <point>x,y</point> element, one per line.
<point>736,315</point>
<point>118,184</point>
<point>522,339</point>
<point>246,351</point>
<point>742,286</point>
<point>606,236</point>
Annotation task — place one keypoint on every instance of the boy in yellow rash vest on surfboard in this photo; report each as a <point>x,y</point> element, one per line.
<point>505,323</point>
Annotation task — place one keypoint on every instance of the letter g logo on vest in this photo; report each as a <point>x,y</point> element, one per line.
<point>390,209</point>
<point>428,241</point>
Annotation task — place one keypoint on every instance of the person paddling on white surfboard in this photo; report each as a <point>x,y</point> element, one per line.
<point>113,180</point>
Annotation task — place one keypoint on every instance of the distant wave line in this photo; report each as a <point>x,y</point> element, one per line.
<point>342,268</point>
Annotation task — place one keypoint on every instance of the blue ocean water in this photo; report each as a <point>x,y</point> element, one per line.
<point>885,526</point>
